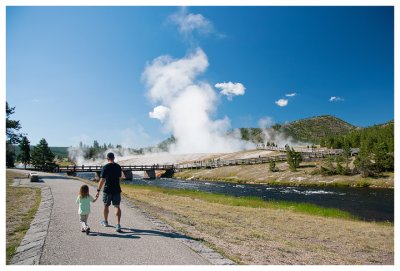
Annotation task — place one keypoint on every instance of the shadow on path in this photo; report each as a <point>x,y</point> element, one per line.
<point>135,234</point>
<point>156,233</point>
<point>115,235</point>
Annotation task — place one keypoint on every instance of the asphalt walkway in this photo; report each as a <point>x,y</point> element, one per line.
<point>140,243</point>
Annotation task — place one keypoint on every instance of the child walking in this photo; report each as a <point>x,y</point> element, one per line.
<point>84,200</point>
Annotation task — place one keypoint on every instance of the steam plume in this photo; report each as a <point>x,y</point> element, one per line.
<point>173,84</point>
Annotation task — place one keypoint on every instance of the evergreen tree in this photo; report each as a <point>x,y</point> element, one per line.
<point>10,155</point>
<point>41,154</point>
<point>25,151</point>
<point>293,158</point>
<point>272,167</point>
<point>364,165</point>
<point>12,126</point>
<point>12,137</point>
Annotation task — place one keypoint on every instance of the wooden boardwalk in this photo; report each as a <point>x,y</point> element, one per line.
<point>308,155</point>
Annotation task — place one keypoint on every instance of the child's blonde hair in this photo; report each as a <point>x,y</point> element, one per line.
<point>84,191</point>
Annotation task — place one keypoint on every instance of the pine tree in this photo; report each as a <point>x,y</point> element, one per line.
<point>12,137</point>
<point>272,166</point>
<point>293,158</point>
<point>41,154</point>
<point>12,126</point>
<point>25,155</point>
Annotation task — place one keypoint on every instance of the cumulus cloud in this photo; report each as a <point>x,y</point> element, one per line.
<point>291,94</point>
<point>159,112</point>
<point>188,22</point>
<point>336,99</point>
<point>231,89</point>
<point>173,84</point>
<point>282,102</point>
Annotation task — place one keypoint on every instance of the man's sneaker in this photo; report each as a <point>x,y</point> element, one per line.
<point>118,228</point>
<point>87,231</point>
<point>104,223</point>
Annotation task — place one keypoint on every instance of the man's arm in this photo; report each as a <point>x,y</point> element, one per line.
<point>101,182</point>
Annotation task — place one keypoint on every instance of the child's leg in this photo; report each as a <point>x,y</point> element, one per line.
<point>83,221</point>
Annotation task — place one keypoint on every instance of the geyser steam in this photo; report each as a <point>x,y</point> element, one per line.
<point>185,105</point>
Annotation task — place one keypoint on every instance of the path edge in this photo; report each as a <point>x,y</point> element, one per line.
<point>30,249</point>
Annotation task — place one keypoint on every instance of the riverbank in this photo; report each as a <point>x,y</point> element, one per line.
<point>304,176</point>
<point>249,233</point>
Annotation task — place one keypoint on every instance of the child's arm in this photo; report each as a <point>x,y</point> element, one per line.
<point>95,198</point>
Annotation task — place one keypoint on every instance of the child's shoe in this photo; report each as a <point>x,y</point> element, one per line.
<point>87,230</point>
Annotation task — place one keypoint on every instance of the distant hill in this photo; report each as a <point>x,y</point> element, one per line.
<point>304,130</point>
<point>315,128</point>
<point>309,130</point>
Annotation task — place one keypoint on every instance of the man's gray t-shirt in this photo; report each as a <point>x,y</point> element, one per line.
<point>111,173</point>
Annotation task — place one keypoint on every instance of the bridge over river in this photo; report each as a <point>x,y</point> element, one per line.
<point>150,171</point>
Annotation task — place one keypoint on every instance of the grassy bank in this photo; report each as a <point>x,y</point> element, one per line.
<point>252,202</point>
<point>252,231</point>
<point>21,206</point>
<point>260,174</point>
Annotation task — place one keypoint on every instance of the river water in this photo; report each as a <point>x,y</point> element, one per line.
<point>371,204</point>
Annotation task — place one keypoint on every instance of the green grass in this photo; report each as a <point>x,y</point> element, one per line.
<point>252,202</point>
<point>24,218</point>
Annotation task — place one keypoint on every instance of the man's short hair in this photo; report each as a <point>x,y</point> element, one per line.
<point>110,156</point>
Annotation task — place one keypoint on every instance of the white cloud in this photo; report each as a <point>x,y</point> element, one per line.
<point>282,102</point>
<point>188,22</point>
<point>159,112</point>
<point>336,99</point>
<point>291,94</point>
<point>265,122</point>
<point>231,89</point>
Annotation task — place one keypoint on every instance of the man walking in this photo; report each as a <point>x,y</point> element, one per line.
<point>109,176</point>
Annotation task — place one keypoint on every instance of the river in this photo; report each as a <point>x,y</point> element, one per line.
<point>371,204</point>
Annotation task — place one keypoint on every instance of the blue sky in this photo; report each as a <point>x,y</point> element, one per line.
<point>75,73</point>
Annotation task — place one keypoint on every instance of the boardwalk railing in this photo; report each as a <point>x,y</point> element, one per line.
<point>215,163</point>
<point>212,163</point>
<point>83,168</point>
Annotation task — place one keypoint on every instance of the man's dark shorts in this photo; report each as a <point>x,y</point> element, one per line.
<point>114,198</point>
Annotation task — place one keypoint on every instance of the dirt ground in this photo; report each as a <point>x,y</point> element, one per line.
<point>271,236</point>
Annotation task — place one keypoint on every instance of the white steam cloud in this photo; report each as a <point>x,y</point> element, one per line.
<point>231,89</point>
<point>291,94</point>
<point>282,102</point>
<point>173,84</point>
<point>159,112</point>
<point>265,122</point>
<point>275,136</point>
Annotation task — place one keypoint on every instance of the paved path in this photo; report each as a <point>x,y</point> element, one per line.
<point>142,241</point>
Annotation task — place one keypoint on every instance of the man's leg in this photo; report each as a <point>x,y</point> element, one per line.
<point>116,202</point>
<point>106,211</point>
<point>107,202</point>
<point>118,214</point>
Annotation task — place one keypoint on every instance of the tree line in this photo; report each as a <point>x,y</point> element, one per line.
<point>376,145</point>
<point>40,156</point>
